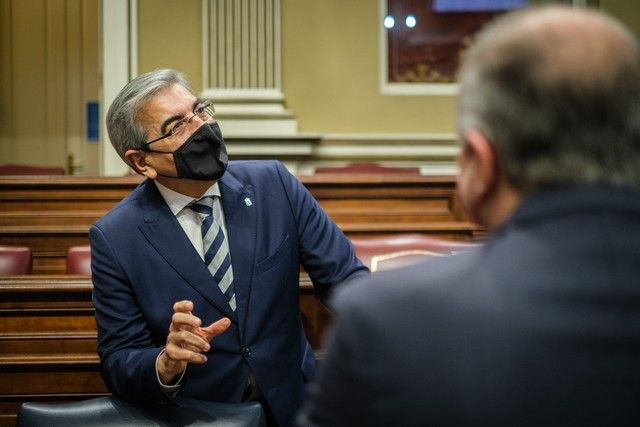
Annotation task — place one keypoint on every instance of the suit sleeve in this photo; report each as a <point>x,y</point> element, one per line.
<point>127,352</point>
<point>326,253</point>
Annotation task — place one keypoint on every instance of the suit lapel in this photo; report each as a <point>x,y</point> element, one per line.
<point>162,230</point>
<point>240,217</point>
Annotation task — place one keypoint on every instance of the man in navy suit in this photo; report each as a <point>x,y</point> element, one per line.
<point>195,273</point>
<point>541,326</point>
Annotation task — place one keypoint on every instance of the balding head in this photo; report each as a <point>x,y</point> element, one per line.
<point>556,91</point>
<point>577,46</point>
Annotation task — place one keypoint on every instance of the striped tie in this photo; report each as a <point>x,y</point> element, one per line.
<point>216,248</point>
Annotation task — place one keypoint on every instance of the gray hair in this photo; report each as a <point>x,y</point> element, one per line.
<point>124,132</point>
<point>557,93</point>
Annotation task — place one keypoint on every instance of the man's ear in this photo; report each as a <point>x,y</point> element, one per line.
<point>137,160</point>
<point>478,154</point>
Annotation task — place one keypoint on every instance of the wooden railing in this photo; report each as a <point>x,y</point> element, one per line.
<point>51,214</point>
<point>48,339</point>
<point>47,326</point>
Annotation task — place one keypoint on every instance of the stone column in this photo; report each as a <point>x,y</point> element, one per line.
<point>242,69</point>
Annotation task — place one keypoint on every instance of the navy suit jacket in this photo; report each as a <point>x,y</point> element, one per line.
<point>541,326</point>
<point>142,263</point>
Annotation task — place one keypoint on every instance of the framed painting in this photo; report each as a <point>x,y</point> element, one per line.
<point>422,41</point>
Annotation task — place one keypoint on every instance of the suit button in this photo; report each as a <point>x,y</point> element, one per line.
<point>246,351</point>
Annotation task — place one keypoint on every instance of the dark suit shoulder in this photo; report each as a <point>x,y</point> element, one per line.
<point>263,174</point>
<point>444,280</point>
<point>127,206</point>
<point>254,169</point>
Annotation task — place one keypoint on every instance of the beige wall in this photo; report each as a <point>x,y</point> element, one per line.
<point>330,70</point>
<point>49,56</point>
<point>330,73</point>
<point>170,36</point>
<point>329,65</point>
<point>330,54</point>
<point>628,11</point>
<point>48,70</point>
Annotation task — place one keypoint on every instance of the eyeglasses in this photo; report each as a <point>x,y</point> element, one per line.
<point>204,111</point>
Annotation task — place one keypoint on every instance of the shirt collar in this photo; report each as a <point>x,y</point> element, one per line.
<point>178,201</point>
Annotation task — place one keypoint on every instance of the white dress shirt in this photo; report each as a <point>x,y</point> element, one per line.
<point>190,222</point>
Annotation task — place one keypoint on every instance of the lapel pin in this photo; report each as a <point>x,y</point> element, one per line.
<point>247,201</point>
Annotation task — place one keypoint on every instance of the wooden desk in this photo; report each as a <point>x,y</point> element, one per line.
<point>50,214</point>
<point>48,339</point>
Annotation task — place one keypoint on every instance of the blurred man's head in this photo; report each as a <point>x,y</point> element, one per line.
<point>549,97</point>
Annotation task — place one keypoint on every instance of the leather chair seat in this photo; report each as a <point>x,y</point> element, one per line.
<point>15,260</point>
<point>112,411</point>
<point>79,260</point>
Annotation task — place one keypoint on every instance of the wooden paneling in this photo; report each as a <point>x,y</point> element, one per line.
<point>48,71</point>
<point>47,327</point>
<point>48,339</point>
<point>63,193</point>
<point>50,214</point>
<point>47,342</point>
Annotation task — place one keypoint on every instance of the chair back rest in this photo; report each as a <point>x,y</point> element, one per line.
<point>79,260</point>
<point>15,260</point>
<point>367,168</point>
<point>400,250</point>
<point>112,411</point>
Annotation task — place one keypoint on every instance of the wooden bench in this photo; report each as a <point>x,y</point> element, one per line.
<point>51,214</point>
<point>48,339</point>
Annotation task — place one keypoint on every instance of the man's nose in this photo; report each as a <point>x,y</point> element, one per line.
<point>194,124</point>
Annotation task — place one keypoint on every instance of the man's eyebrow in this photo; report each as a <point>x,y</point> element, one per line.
<point>166,123</point>
<point>175,118</point>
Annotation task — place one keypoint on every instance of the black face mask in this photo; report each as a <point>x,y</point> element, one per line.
<point>203,156</point>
